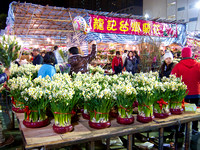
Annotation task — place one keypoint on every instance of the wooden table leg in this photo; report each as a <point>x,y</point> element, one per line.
<point>133,141</point>
<point>129,144</point>
<point>161,132</point>
<point>176,138</point>
<point>13,121</point>
<point>187,136</point>
<point>108,143</point>
<point>92,145</point>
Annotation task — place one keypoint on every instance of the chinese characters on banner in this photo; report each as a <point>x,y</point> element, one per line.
<point>104,24</point>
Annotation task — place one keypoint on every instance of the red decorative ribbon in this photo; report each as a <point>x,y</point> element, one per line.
<point>28,112</point>
<point>95,113</point>
<point>183,102</point>
<point>73,112</point>
<point>161,103</point>
<point>148,106</point>
<point>126,109</point>
<point>13,101</point>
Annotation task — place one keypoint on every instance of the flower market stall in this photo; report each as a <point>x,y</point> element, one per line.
<point>46,26</point>
<point>65,110</point>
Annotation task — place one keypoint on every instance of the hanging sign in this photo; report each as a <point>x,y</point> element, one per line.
<point>103,24</point>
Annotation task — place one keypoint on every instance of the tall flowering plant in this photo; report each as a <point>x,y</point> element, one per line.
<point>17,86</point>
<point>126,95</point>
<point>62,102</point>
<point>161,94</point>
<point>36,101</point>
<point>178,93</point>
<point>9,49</point>
<point>100,97</point>
<point>144,83</point>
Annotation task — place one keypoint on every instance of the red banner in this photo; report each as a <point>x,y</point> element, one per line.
<point>104,24</point>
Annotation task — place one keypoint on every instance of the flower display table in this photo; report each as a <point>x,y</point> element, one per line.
<point>47,138</point>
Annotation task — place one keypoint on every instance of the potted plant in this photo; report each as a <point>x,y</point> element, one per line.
<point>17,86</point>
<point>178,93</point>
<point>36,101</point>
<point>9,49</point>
<point>162,97</point>
<point>62,102</point>
<point>100,99</point>
<point>126,95</point>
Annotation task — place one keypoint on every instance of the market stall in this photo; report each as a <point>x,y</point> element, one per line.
<point>46,26</point>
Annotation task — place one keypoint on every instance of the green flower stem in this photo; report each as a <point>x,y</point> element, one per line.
<point>125,113</point>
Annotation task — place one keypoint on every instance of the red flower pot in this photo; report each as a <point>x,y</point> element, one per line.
<point>113,114</point>
<point>161,115</point>
<point>125,120</point>
<point>99,125</point>
<point>144,119</point>
<point>61,130</point>
<point>36,124</point>
<point>176,111</point>
<point>86,116</point>
<point>17,110</point>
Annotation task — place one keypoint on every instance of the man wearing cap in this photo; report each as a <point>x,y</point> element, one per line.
<point>37,60</point>
<point>189,69</point>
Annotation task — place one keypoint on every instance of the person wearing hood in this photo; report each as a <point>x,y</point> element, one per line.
<point>78,62</point>
<point>189,69</point>
<point>167,65</point>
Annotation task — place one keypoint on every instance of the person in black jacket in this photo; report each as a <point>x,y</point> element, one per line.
<point>37,60</point>
<point>167,65</point>
<point>131,63</point>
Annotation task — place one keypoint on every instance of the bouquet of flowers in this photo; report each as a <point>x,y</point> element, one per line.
<point>8,51</point>
<point>126,95</point>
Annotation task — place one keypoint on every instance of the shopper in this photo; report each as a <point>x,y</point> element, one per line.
<point>78,62</point>
<point>48,69</point>
<point>59,59</point>
<point>117,63</point>
<point>167,65</point>
<point>131,63</point>
<point>135,53</point>
<point>37,60</point>
<point>124,55</point>
<point>189,69</point>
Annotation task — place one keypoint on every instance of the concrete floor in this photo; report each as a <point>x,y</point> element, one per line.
<point>18,144</point>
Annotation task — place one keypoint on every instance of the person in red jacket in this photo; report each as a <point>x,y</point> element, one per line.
<point>189,69</point>
<point>117,63</point>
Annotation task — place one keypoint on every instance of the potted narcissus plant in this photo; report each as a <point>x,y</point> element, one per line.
<point>178,93</point>
<point>36,98</point>
<point>100,99</point>
<point>162,97</point>
<point>17,86</point>
<point>62,102</point>
<point>126,95</point>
